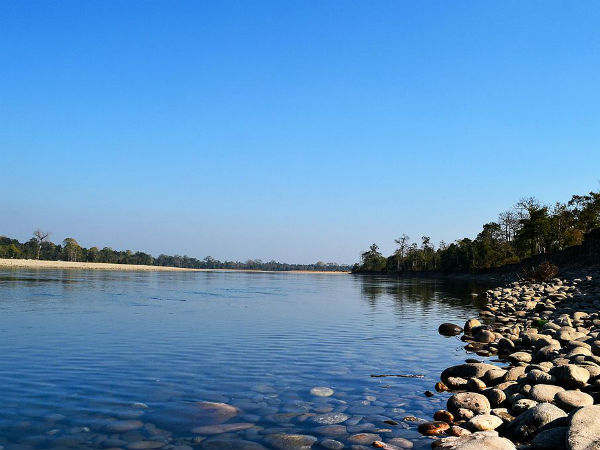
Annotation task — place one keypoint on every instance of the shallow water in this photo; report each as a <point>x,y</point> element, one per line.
<point>83,351</point>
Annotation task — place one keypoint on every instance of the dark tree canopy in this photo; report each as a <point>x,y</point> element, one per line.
<point>530,228</point>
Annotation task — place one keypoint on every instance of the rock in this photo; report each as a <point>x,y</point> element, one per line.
<point>471,370</point>
<point>475,384</point>
<point>330,430</point>
<point>329,418</point>
<point>464,414</point>
<point>524,427</point>
<point>552,439</point>
<point>291,441</point>
<point>456,383</point>
<point>222,443</point>
<point>495,396</point>
<point>449,329</point>
<point>332,444</point>
<point>322,391</point>
<point>213,413</point>
<point>537,376</point>
<point>503,414</point>
<point>494,376</point>
<point>484,422</point>
<point>514,373</point>
<point>433,428</point>
<point>544,392</point>
<point>483,440</point>
<point>364,438</point>
<point>145,445</point>
<point>123,426</point>
<point>470,324</point>
<point>506,346</point>
<point>455,430</point>
<point>523,405</point>
<point>222,428</point>
<point>477,403</point>
<point>401,442</point>
<point>520,357</point>
<point>440,387</point>
<point>569,400</point>
<point>583,432</point>
<point>570,376</point>
<point>485,336</point>
<point>443,416</point>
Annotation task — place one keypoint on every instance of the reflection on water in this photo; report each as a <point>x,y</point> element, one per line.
<point>93,359</point>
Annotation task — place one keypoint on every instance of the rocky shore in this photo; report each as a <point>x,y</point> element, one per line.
<point>546,393</point>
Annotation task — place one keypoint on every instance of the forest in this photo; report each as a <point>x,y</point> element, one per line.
<point>529,228</point>
<point>40,247</point>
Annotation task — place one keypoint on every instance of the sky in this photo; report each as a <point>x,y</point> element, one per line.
<point>290,130</point>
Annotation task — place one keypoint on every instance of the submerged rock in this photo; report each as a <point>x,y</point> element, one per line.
<point>213,413</point>
<point>291,441</point>
<point>322,391</point>
<point>222,428</point>
<point>329,418</point>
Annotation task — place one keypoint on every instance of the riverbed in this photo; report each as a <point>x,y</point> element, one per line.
<point>114,359</point>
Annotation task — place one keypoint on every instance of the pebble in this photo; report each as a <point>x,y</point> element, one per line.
<point>433,428</point>
<point>484,422</point>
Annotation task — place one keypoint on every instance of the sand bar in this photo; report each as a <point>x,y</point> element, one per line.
<point>41,264</point>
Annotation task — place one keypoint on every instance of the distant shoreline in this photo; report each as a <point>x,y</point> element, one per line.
<point>44,264</point>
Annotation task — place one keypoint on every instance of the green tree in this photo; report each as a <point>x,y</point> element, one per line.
<point>71,249</point>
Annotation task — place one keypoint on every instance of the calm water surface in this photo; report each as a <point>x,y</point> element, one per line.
<point>92,359</point>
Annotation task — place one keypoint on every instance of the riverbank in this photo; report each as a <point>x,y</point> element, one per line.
<point>546,394</point>
<point>42,264</point>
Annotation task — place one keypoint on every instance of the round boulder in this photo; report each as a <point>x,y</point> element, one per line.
<point>584,432</point>
<point>449,329</point>
<point>569,400</point>
<point>477,403</point>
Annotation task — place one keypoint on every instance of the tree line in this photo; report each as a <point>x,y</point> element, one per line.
<point>39,247</point>
<point>529,228</point>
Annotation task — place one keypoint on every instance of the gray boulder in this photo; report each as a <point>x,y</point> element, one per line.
<point>477,403</point>
<point>584,429</point>
<point>552,439</point>
<point>570,376</point>
<point>482,440</point>
<point>529,423</point>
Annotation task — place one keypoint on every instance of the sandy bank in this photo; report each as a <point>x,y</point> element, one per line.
<point>35,264</point>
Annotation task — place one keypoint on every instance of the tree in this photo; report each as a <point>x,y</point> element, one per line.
<point>40,237</point>
<point>71,249</point>
<point>400,252</point>
<point>372,260</point>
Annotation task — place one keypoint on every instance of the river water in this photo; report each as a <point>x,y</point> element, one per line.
<point>213,360</point>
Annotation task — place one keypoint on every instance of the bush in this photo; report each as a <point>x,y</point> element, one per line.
<point>543,272</point>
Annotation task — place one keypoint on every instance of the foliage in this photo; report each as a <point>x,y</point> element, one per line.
<point>541,273</point>
<point>38,247</point>
<point>528,229</point>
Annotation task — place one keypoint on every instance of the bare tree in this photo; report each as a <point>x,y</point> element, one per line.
<point>526,206</point>
<point>509,221</point>
<point>40,236</point>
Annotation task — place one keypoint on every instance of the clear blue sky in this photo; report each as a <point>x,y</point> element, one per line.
<point>293,130</point>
